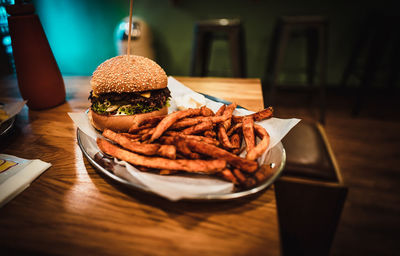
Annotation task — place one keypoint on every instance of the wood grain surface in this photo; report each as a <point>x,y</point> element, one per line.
<point>72,210</point>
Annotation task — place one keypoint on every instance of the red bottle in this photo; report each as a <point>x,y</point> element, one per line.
<point>39,78</point>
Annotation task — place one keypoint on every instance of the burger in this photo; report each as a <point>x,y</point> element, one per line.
<point>126,89</point>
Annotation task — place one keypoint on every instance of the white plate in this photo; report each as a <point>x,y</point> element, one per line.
<point>276,158</point>
<point>6,126</point>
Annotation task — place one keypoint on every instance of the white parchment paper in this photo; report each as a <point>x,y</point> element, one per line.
<point>183,186</point>
<point>12,108</point>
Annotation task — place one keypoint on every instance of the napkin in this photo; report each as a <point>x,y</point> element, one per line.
<point>185,186</point>
<point>16,174</point>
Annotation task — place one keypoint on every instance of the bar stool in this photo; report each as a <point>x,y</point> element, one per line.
<point>311,193</point>
<point>377,38</point>
<point>314,28</point>
<point>205,32</point>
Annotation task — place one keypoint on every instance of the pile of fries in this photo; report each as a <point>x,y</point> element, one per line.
<point>196,141</point>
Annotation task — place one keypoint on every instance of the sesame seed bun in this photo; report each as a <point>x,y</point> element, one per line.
<point>128,74</point>
<point>121,123</point>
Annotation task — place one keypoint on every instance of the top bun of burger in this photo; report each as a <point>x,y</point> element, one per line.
<point>126,89</point>
<point>128,74</point>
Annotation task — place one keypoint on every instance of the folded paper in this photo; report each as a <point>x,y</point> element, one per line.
<point>16,174</point>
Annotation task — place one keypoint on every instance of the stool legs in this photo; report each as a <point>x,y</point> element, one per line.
<point>313,48</point>
<point>377,36</point>
<point>395,65</point>
<point>316,54</point>
<point>236,45</point>
<point>316,57</point>
<point>201,53</point>
<point>322,53</point>
<point>374,58</point>
<point>312,55</point>
<point>281,44</point>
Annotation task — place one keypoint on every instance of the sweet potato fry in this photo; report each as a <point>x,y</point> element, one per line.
<point>240,176</point>
<point>146,130</point>
<point>198,128</point>
<point>236,140</point>
<point>167,172</point>
<point>227,124</point>
<point>221,110</point>
<point>184,149</point>
<point>185,122</point>
<point>205,111</point>
<point>260,131</point>
<point>180,145</point>
<point>194,137</point>
<point>145,149</point>
<point>146,134</point>
<point>234,129</point>
<point>250,182</point>
<point>152,120</point>
<point>136,129</point>
<point>149,122</point>
<point>221,117</point>
<point>258,150</point>
<point>223,138</point>
<point>166,122</point>
<point>201,166</point>
<point>258,116</point>
<point>168,151</point>
<point>134,137</point>
<point>229,110</point>
<point>168,140</point>
<point>236,151</point>
<point>226,174</point>
<point>145,169</point>
<point>248,133</point>
<point>210,134</point>
<point>145,138</point>
<point>216,152</point>
<point>263,173</point>
<point>227,114</point>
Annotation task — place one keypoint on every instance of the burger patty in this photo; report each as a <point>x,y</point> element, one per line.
<point>138,101</point>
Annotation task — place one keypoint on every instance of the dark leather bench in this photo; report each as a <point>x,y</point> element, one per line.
<point>310,195</point>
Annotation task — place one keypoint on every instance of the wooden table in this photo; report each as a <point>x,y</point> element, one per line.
<point>71,209</point>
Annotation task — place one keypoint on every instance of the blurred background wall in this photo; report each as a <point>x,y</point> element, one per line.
<point>81,32</point>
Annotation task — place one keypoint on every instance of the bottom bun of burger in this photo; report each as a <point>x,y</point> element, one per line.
<point>121,123</point>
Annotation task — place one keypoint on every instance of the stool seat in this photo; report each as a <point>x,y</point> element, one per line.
<point>205,32</point>
<point>301,20</point>
<point>307,154</point>
<point>219,24</point>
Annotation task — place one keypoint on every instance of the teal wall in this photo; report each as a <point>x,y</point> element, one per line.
<point>81,32</point>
